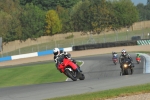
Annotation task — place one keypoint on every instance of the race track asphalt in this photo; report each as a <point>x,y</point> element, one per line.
<point>100,74</point>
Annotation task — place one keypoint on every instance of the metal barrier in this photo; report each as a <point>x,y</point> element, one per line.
<point>41,53</point>
<point>143,42</point>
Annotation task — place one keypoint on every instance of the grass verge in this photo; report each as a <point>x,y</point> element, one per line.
<point>101,95</point>
<point>33,74</point>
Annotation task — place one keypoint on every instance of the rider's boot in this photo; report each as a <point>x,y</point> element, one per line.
<point>79,68</point>
<point>132,65</point>
<point>74,61</point>
<point>121,68</point>
<point>131,71</point>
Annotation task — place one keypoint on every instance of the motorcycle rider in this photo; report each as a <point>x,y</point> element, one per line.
<point>123,56</point>
<point>114,55</point>
<point>138,56</point>
<point>57,53</point>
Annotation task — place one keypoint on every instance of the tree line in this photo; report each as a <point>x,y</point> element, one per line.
<point>23,19</point>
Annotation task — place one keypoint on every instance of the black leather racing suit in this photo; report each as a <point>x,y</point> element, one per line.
<point>127,56</point>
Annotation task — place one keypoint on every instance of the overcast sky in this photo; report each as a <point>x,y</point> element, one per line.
<point>139,1</point>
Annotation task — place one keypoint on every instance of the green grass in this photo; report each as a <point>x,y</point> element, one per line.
<point>70,41</point>
<point>34,74</point>
<point>101,95</point>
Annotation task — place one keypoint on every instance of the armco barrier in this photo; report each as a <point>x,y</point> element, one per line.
<point>104,45</point>
<point>147,63</point>
<point>47,52</point>
<point>5,58</point>
<point>24,56</point>
<point>41,53</point>
<point>143,42</point>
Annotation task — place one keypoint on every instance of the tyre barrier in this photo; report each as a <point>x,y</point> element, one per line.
<point>104,45</point>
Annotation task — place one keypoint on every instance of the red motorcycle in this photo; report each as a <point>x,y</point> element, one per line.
<point>115,60</point>
<point>138,60</point>
<point>70,69</point>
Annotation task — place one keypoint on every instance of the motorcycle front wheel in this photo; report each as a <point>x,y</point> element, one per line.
<point>71,75</point>
<point>128,71</point>
<point>115,63</point>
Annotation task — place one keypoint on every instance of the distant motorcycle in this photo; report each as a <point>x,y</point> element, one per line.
<point>138,60</point>
<point>69,69</point>
<point>115,60</point>
<point>127,69</point>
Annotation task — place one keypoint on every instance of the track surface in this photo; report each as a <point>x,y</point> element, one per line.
<point>100,74</point>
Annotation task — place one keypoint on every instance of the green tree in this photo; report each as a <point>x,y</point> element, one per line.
<point>80,16</point>
<point>144,11</point>
<point>99,9</point>
<point>53,23</point>
<point>10,10</point>
<point>141,10</point>
<point>33,21</point>
<point>5,19</point>
<point>91,15</point>
<point>64,15</point>
<point>50,4</point>
<point>126,13</point>
<point>67,3</point>
<point>147,12</point>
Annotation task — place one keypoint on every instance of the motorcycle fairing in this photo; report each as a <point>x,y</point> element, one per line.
<point>138,58</point>
<point>66,62</point>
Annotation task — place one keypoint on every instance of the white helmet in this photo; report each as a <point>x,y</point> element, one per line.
<point>56,51</point>
<point>123,52</point>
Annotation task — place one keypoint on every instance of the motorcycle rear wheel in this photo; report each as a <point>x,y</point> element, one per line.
<point>82,77</point>
<point>138,62</point>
